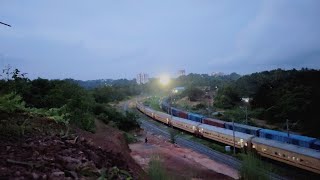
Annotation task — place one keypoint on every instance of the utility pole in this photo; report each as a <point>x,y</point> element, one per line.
<point>288,127</point>
<point>234,139</point>
<point>246,114</point>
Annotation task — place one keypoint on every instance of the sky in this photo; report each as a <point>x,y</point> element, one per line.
<point>118,39</point>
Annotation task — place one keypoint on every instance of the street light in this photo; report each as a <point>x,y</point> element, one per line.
<point>246,101</point>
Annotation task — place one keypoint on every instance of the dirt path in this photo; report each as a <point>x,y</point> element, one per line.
<point>111,139</point>
<point>180,163</point>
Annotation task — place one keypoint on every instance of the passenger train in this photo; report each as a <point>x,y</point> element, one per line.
<point>299,156</point>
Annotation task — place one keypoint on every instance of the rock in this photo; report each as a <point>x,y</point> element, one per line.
<point>17,173</point>
<point>72,166</point>
<point>36,153</point>
<point>57,174</point>
<point>82,139</point>
<point>72,174</point>
<point>35,176</point>
<point>93,156</point>
<point>8,148</point>
<point>67,159</point>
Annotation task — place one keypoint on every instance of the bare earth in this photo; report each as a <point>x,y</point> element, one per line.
<point>180,163</point>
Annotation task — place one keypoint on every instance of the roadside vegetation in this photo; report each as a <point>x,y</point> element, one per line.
<point>43,117</point>
<point>156,170</point>
<point>252,168</point>
<point>276,96</point>
<point>153,102</point>
<point>64,101</point>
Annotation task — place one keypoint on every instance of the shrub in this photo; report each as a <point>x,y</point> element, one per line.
<point>253,168</point>
<point>11,103</point>
<point>156,169</point>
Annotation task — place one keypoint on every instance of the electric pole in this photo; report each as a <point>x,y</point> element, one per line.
<point>234,139</point>
<point>288,127</point>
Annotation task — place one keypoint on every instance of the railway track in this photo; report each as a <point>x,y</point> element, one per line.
<point>200,148</point>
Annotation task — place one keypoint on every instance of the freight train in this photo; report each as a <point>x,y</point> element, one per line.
<point>299,156</point>
<point>294,139</point>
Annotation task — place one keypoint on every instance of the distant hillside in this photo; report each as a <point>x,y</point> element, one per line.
<point>91,84</point>
<point>279,95</point>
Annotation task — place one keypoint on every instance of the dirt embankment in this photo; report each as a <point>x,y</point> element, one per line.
<point>41,153</point>
<point>179,162</point>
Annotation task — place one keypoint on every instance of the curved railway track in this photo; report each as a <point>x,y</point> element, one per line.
<point>214,155</point>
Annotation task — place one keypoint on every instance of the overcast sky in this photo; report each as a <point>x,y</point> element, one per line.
<point>118,39</point>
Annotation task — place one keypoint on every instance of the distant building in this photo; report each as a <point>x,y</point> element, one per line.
<point>216,74</point>
<point>246,99</point>
<point>181,72</point>
<point>178,89</point>
<point>142,78</point>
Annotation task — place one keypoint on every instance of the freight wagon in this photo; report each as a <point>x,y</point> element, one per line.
<point>175,111</point>
<point>183,114</point>
<point>195,117</point>
<point>243,128</point>
<point>213,122</point>
<point>302,141</point>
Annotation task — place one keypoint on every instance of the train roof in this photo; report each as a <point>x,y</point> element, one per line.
<point>288,147</point>
<point>216,120</point>
<point>162,114</point>
<point>193,123</point>
<point>149,109</point>
<point>226,131</point>
<point>196,115</point>
<point>317,142</point>
<point>292,136</point>
<point>176,109</point>
<point>244,126</point>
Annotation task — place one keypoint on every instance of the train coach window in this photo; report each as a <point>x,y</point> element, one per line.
<point>283,155</point>
<point>276,153</point>
<point>268,136</point>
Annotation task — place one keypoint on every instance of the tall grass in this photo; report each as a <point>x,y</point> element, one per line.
<point>156,169</point>
<point>253,168</point>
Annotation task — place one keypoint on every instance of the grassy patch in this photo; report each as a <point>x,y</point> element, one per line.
<point>153,102</point>
<point>130,138</point>
<point>254,168</point>
<point>156,169</point>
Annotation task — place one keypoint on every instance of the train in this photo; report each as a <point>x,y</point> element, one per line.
<point>294,139</point>
<point>298,156</point>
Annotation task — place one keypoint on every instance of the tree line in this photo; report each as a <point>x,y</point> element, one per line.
<point>276,96</point>
<point>65,100</point>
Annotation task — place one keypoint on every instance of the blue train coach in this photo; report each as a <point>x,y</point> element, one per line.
<point>243,128</point>
<point>175,111</point>
<point>316,144</point>
<point>195,117</point>
<point>299,140</point>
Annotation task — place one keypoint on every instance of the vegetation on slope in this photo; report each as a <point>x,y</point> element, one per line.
<point>278,95</point>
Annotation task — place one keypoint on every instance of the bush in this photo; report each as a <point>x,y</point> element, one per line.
<point>128,121</point>
<point>156,169</point>
<point>253,168</point>
<point>11,103</point>
<point>130,138</point>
